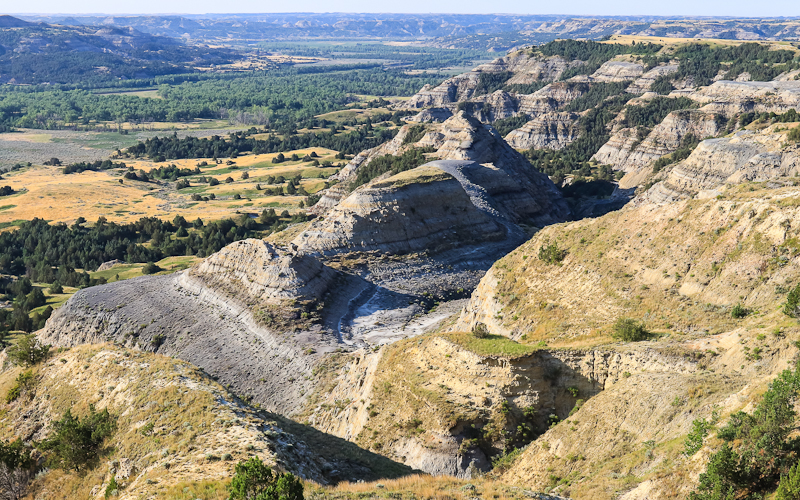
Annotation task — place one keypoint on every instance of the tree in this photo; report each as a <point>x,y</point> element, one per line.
<point>245,176</point>
<point>150,268</point>
<point>56,288</point>
<point>789,487</point>
<point>629,330</point>
<point>792,305</point>
<point>213,181</point>
<point>254,480</point>
<point>75,444</point>
<point>28,351</point>
<point>17,467</point>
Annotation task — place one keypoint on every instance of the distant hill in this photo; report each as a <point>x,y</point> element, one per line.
<point>41,53</point>
<point>12,22</point>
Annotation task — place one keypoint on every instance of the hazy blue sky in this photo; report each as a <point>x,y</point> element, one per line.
<point>579,7</point>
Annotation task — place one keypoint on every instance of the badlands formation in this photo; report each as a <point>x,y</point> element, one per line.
<point>455,316</point>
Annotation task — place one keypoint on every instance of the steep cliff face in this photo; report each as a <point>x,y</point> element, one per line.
<point>665,138</point>
<point>227,315</point>
<point>524,69</point>
<point>551,98</point>
<point>730,97</point>
<point>626,442</point>
<point>678,267</point>
<point>521,193</point>
<point>398,215</point>
<point>546,131</point>
<point>168,402</point>
<point>748,156</point>
<point>446,404</point>
<point>617,71</point>
<point>644,82</point>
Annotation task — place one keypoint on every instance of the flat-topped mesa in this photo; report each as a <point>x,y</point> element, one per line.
<point>257,273</point>
<point>424,209</point>
<point>745,157</point>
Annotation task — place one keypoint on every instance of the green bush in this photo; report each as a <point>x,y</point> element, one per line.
<point>112,488</point>
<point>75,444</point>
<point>792,305</point>
<point>794,134</point>
<point>551,254</point>
<point>254,480</point>
<point>151,268</point>
<point>789,487</point>
<point>480,331</point>
<point>629,330</point>
<point>759,449</point>
<point>739,311</point>
<point>25,382</point>
<point>27,351</point>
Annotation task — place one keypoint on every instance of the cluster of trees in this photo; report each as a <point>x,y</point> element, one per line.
<point>593,134</point>
<point>412,158</point>
<point>654,112</point>
<point>96,166</point>
<point>593,53</point>
<point>594,94</point>
<point>703,62</point>
<point>173,147</point>
<point>25,298</point>
<point>281,97</point>
<point>490,82</point>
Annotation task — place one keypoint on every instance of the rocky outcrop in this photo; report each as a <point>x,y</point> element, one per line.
<point>255,273</point>
<point>551,98</point>
<point>644,82</point>
<point>665,138</point>
<point>448,391</point>
<point>495,106</point>
<point>546,131</point>
<point>617,71</point>
<point>733,97</point>
<point>746,157</point>
<point>524,68</point>
<point>229,315</point>
<point>423,209</point>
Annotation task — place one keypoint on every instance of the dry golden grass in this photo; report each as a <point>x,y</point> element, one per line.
<point>671,42</point>
<point>46,193</point>
<point>419,487</point>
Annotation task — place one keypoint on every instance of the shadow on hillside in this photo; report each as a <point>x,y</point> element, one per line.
<point>348,462</point>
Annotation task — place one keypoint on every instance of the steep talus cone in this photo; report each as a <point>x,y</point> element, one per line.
<point>421,209</point>
<point>256,272</point>
<point>159,399</point>
<point>715,163</point>
<point>545,131</point>
<point>679,266</point>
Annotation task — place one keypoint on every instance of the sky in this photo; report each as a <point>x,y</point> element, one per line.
<point>739,8</point>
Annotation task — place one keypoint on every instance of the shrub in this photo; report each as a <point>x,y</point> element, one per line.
<point>245,176</point>
<point>789,487</point>
<point>738,311</point>
<point>480,331</point>
<point>629,330</point>
<point>254,480</point>
<point>112,488</point>
<point>28,352</point>
<point>151,268</point>
<point>551,254</point>
<point>213,181</point>
<point>56,288</point>
<point>24,382</point>
<point>694,440</point>
<point>75,444</point>
<point>794,134</point>
<point>764,452</point>
<point>792,305</point>
<point>16,469</point>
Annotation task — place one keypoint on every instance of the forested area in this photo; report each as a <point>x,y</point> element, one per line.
<point>281,98</point>
<point>594,54</point>
<point>61,255</point>
<point>172,147</point>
